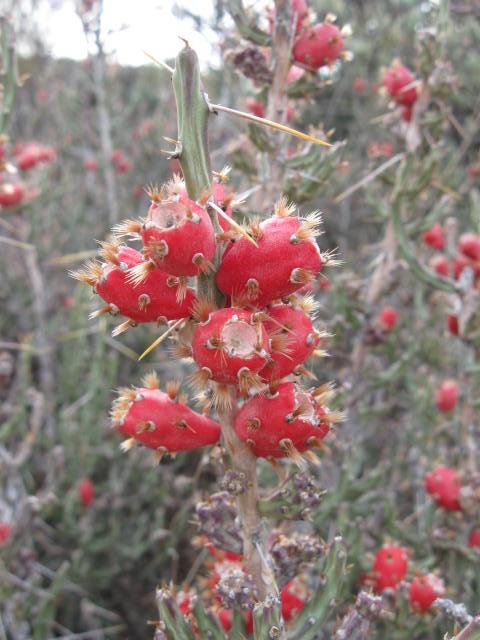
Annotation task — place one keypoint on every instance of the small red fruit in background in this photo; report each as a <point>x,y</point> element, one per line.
<point>440,265</point>
<point>390,567</point>
<point>255,107</point>
<point>319,46</point>
<point>90,164</point>
<point>452,323</point>
<point>473,171</point>
<point>4,532</point>
<point>387,318</point>
<point>446,396</point>
<point>424,590</point>
<point>434,237</point>
<point>292,604</point>
<point>359,85</point>
<point>469,245</point>
<point>11,194</point>
<point>443,484</point>
<point>474,538</point>
<point>86,492</point>
<point>398,80</point>
<point>120,163</point>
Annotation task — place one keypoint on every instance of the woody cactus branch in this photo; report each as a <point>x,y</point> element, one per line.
<point>192,151</point>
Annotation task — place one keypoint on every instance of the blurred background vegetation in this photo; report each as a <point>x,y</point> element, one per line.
<point>70,568</point>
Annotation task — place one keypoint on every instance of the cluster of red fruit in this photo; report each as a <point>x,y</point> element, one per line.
<point>390,568</point>
<point>244,351</point>
<point>293,595</point>
<point>26,156</point>
<point>467,259</point>
<point>401,85</point>
<point>320,45</point>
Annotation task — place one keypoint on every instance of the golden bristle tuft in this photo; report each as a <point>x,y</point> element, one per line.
<point>306,303</point>
<point>320,353</point>
<point>124,326</point>
<point>200,379</point>
<point>334,417</point>
<point>181,283</point>
<point>138,274</point>
<point>309,456</point>
<point>205,266</point>
<point>253,424</point>
<point>154,192</point>
<point>223,175</point>
<point>302,276</point>
<point>292,452</point>
<point>281,342</point>
<point>109,251</point>
<point>180,351</point>
<point>126,445</point>
<point>303,409</point>
<point>329,258</point>
<point>254,228</point>
<point>90,273</point>
<point>324,393</point>
<point>309,227</point>
<point>128,228</point>
<point>302,371</point>
<point>173,187</point>
<point>172,389</point>
<point>151,381</point>
<point>221,399</point>
<point>100,312</point>
<point>249,383</point>
<point>202,308</point>
<point>283,208</point>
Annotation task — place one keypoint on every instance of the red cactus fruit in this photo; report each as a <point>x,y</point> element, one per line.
<point>469,245</point>
<point>4,532</point>
<point>160,420</point>
<point>177,235</point>
<point>452,324</point>
<point>86,492</point>
<point>387,318</point>
<point>446,396</point>
<point>120,162</point>
<point>434,237</point>
<point>359,85</point>
<point>256,107</point>
<point>398,82</point>
<point>11,194</point>
<point>390,567</point>
<point>319,46</point>
<point>424,590</point>
<point>221,555</point>
<point>474,538</point>
<point>32,154</point>
<point>230,346</point>
<point>286,258</point>
<point>292,604</point>
<point>225,617</point>
<point>443,484</point>
<point>293,339</point>
<point>440,265</point>
<point>285,422</point>
<point>159,297</point>
<point>473,171</point>
<point>90,164</point>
